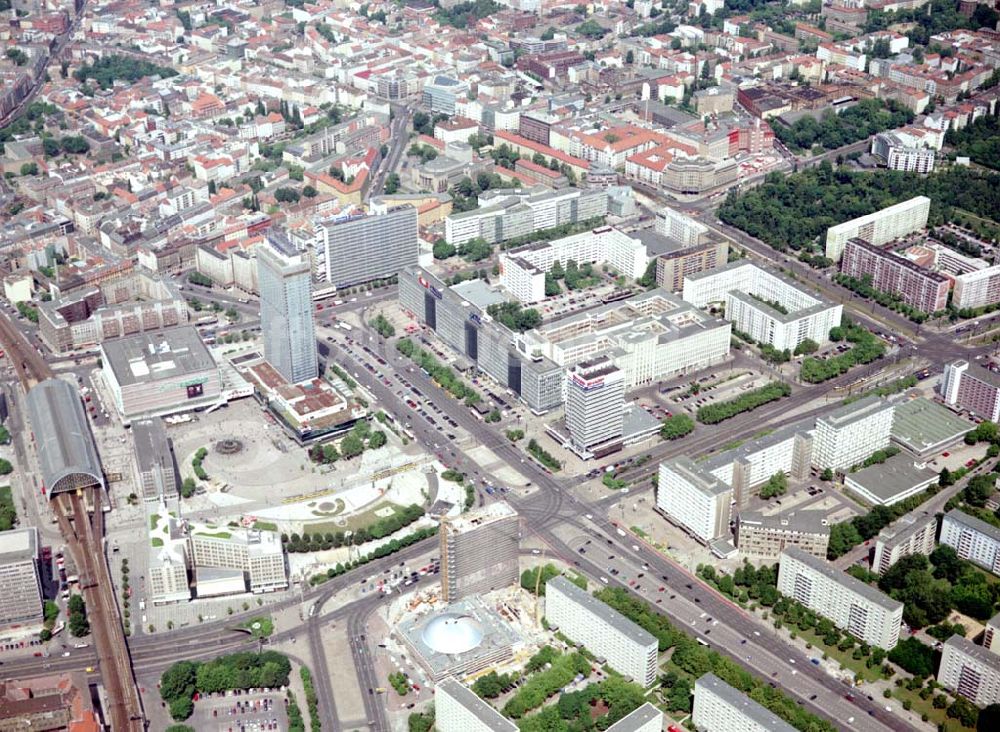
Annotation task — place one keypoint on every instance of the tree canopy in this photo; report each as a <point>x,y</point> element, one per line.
<point>109,69</point>
<point>794,211</point>
<point>834,130</point>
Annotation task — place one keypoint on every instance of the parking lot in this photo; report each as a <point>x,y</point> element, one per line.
<point>241,712</point>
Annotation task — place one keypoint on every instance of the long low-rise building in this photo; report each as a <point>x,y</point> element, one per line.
<point>718,707</point>
<point>852,605</point>
<point>888,272</point>
<point>888,483</point>
<point>970,671</point>
<point>510,214</point>
<point>604,631</point>
<point>925,428</point>
<point>972,539</point>
<point>769,308</point>
<point>523,270</point>
<point>879,227</point>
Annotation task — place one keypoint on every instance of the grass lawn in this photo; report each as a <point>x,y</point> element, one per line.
<point>260,627</point>
<point>926,706</point>
<point>842,657</point>
<point>8,515</point>
<point>265,526</point>
<point>355,522</point>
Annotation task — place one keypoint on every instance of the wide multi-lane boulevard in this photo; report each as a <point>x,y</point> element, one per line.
<point>557,517</point>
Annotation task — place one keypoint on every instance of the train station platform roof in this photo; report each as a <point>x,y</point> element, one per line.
<point>66,449</point>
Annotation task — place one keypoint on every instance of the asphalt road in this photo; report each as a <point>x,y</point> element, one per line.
<point>398,139</point>
<point>545,510</point>
<point>550,507</point>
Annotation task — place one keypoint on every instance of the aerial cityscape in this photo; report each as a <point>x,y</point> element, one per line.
<point>500,365</point>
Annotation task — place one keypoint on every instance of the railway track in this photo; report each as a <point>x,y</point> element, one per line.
<point>83,532</point>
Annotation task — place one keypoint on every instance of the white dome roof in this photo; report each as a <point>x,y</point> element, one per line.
<point>452,634</point>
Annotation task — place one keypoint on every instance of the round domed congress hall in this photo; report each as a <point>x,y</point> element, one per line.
<point>459,639</point>
<point>452,634</point>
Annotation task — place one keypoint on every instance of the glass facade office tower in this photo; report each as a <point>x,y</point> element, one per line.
<point>286,309</point>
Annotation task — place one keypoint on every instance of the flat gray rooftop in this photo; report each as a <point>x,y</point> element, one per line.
<point>849,413</point>
<point>980,654</point>
<point>479,293</point>
<point>921,425</point>
<point>896,475</point>
<point>639,717</point>
<point>697,476</point>
<point>157,355</point>
<point>152,446</point>
<point>18,545</point>
<point>805,522</point>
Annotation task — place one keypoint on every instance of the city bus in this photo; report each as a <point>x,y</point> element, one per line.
<point>323,293</point>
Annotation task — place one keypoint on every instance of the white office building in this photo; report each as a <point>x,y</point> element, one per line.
<point>258,554</point>
<point>357,249</point>
<point>970,670</point>
<point>977,289</point>
<point>901,151</point>
<point>21,599</point>
<point>509,214</point>
<point>581,617</point>
<point>522,270</point>
<point>909,535</point>
<point>879,227</point>
<point>766,306</point>
<point>286,309</point>
<point>718,707</point>
<point>680,227</point>
<point>852,605</point>
<point>972,539</point>
<point>595,405</point>
<point>748,466</point>
<point>849,434</point>
<point>459,709</point>
<point>694,499</point>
